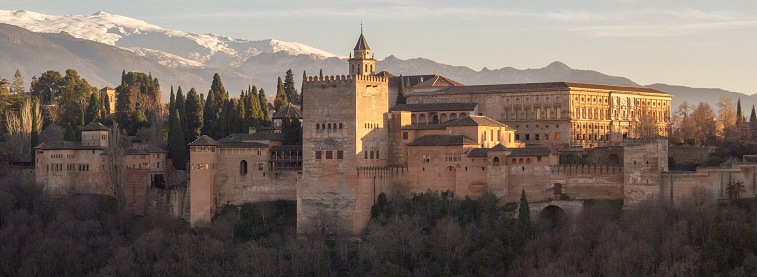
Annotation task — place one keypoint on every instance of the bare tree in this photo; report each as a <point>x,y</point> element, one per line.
<point>114,166</point>
<point>21,124</point>
<point>727,118</point>
<point>17,87</point>
<point>646,127</point>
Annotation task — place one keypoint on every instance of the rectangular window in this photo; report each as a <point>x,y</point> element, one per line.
<point>365,153</point>
<point>546,136</point>
<point>538,113</point>
<point>557,135</point>
<point>548,113</point>
<point>517,136</point>
<point>260,166</point>
<point>371,154</point>
<point>557,113</point>
<point>377,155</point>
<point>499,135</point>
<point>536,136</point>
<point>317,155</point>
<point>404,135</point>
<point>528,137</point>
<point>329,155</point>
<point>339,155</point>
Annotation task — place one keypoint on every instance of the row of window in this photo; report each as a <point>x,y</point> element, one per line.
<point>56,156</point>
<point>243,167</point>
<point>203,166</point>
<point>202,149</point>
<point>324,126</point>
<point>241,152</point>
<point>528,113</point>
<point>371,125</point>
<point>527,137</point>
<point>69,167</point>
<point>426,158</point>
<point>329,155</point>
<point>371,155</point>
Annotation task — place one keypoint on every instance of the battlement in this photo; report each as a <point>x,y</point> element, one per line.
<point>333,79</point>
<point>586,169</point>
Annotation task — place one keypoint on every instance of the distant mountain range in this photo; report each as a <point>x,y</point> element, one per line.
<point>101,45</point>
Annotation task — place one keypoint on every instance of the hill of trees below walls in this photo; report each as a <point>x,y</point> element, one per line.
<point>422,235</point>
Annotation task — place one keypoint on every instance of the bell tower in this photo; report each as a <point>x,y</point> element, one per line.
<point>361,60</point>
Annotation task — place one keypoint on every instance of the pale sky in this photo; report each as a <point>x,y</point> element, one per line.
<point>696,43</point>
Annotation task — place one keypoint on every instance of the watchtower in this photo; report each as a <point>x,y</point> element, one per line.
<point>343,130</point>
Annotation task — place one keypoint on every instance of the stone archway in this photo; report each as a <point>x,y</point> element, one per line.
<point>551,217</point>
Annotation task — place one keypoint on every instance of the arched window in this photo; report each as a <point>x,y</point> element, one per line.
<point>495,161</point>
<point>520,161</point>
<point>317,126</point>
<point>528,161</point>
<point>243,167</point>
<point>340,125</point>
<point>328,126</point>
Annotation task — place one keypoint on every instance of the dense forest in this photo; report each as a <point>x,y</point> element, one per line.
<point>421,235</point>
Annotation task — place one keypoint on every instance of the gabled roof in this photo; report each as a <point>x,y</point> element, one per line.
<point>288,111</point>
<point>475,120</point>
<point>413,80</point>
<point>530,151</point>
<point>551,86</point>
<point>95,126</point>
<point>204,140</point>
<point>361,43</point>
<point>384,73</point>
<point>443,140</point>
<point>499,147</point>
<point>438,81</point>
<point>428,107</point>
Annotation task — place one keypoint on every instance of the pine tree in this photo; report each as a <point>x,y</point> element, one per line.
<point>92,111</point>
<point>17,87</point>
<point>265,112</point>
<point>281,97</point>
<point>181,108</point>
<point>291,92</point>
<point>401,92</point>
<point>194,115</point>
<point>176,145</point>
<point>524,219</point>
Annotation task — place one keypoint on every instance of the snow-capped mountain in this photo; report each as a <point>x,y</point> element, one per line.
<point>179,48</point>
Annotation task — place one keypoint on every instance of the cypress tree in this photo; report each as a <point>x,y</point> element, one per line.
<point>176,145</point>
<point>253,104</point>
<point>225,119</point>
<point>241,123</point>
<point>739,116</point>
<point>181,108</point>
<point>524,219</point>
<point>401,92</point>
<point>92,112</point>
<point>210,122</point>
<point>302,89</point>
<point>265,118</point>
<point>281,97</point>
<point>194,115</point>
<point>291,92</point>
<point>69,134</point>
<point>292,129</point>
<point>171,109</point>
<point>320,73</point>
<point>753,119</point>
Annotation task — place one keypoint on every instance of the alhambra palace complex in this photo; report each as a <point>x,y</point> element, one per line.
<point>467,139</point>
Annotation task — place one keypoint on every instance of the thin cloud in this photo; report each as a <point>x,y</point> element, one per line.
<point>662,30</point>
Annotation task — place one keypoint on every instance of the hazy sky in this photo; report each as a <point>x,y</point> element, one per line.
<point>686,42</point>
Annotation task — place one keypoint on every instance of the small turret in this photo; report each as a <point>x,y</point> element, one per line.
<point>362,61</point>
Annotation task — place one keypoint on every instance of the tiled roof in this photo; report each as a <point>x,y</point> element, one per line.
<point>477,152</point>
<point>258,136</point>
<point>438,81</point>
<point>95,126</point>
<point>442,140</point>
<point>243,144</point>
<point>68,145</point>
<point>412,80</point>
<point>286,148</point>
<point>384,73</point>
<point>426,107</point>
<point>562,86</point>
<point>288,111</point>
<point>499,147</point>
<point>204,140</point>
<point>361,43</point>
<point>530,151</point>
<point>423,127</point>
<point>475,120</point>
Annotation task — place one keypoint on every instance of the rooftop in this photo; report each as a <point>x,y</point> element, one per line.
<point>565,86</point>
<point>95,126</point>
<point>475,120</point>
<point>288,111</point>
<point>443,140</point>
<point>204,140</point>
<point>426,107</point>
<point>67,145</point>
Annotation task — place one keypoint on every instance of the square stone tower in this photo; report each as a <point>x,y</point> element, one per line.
<point>343,131</point>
